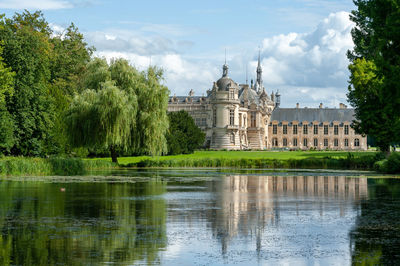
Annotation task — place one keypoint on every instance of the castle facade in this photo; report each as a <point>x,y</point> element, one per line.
<point>240,117</point>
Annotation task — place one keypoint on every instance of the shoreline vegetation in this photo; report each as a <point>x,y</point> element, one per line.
<point>334,160</point>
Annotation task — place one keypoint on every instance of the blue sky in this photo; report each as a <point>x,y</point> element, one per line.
<point>303,42</point>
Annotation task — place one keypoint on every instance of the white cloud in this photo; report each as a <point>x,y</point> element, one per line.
<point>316,61</point>
<point>308,68</point>
<point>36,4</point>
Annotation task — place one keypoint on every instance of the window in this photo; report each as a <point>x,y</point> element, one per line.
<point>231,117</point>
<point>295,129</point>
<point>203,121</point>
<point>240,120</point>
<point>356,143</point>
<point>315,142</point>
<point>305,129</point>
<point>295,142</point>
<point>326,142</point>
<point>336,129</point>
<point>335,142</point>
<point>305,143</point>
<point>285,142</point>
<point>284,129</point>
<point>253,119</point>
<point>315,129</point>
<point>346,142</point>
<point>214,117</point>
<point>346,129</point>
<point>325,129</point>
<point>274,129</point>
<point>232,94</point>
<point>274,142</point>
<point>232,138</point>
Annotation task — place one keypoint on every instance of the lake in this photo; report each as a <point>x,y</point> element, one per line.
<point>200,217</point>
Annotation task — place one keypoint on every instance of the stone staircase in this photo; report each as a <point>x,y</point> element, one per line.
<point>255,142</point>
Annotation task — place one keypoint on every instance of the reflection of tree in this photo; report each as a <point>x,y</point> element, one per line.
<point>90,223</point>
<point>375,240</point>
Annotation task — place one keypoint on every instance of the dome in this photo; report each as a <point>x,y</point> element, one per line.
<point>225,83</point>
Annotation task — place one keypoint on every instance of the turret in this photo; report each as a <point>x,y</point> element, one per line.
<point>278,99</point>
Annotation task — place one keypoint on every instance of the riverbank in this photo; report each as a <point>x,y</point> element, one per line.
<point>50,166</point>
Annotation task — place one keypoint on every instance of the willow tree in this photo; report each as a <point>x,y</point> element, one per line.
<point>120,109</point>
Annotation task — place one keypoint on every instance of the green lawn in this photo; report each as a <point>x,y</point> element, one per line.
<point>245,155</point>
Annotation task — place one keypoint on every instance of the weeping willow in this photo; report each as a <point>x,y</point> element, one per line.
<point>121,108</point>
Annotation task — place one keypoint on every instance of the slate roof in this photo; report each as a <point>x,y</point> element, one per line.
<point>312,114</point>
<point>252,96</point>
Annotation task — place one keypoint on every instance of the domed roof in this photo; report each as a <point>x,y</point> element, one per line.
<point>225,83</point>
<point>249,95</point>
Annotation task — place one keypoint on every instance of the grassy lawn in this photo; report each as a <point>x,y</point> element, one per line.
<point>282,155</point>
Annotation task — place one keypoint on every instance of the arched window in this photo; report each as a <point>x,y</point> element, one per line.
<point>214,117</point>
<point>284,142</point>
<point>274,142</point>
<point>356,143</point>
<point>232,138</point>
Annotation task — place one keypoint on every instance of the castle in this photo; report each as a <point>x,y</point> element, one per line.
<point>240,117</point>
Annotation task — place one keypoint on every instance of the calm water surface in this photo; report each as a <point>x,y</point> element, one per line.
<point>200,218</point>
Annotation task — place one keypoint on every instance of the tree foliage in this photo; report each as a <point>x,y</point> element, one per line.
<point>183,135</point>
<point>48,70</point>
<point>121,109</point>
<point>374,89</point>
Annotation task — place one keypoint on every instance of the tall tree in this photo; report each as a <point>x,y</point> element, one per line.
<point>27,51</point>
<point>121,109</point>
<point>374,89</point>
<point>6,121</point>
<point>183,134</point>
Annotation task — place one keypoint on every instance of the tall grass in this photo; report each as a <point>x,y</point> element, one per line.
<point>50,166</point>
<point>349,162</point>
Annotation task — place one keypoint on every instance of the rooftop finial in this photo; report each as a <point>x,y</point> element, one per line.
<point>225,68</point>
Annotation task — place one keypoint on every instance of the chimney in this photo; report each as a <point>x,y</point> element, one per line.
<point>342,106</point>
<point>321,105</point>
<point>297,105</point>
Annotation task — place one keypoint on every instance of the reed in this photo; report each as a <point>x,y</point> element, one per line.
<point>50,166</point>
<point>350,162</point>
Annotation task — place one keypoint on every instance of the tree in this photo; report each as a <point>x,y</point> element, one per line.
<point>121,109</point>
<point>6,121</point>
<point>183,134</point>
<point>27,51</point>
<point>374,89</point>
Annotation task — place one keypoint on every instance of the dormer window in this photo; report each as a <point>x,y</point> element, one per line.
<point>231,94</point>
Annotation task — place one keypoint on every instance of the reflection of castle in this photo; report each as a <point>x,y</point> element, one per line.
<point>249,203</point>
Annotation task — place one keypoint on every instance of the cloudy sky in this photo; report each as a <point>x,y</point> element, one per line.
<point>303,43</point>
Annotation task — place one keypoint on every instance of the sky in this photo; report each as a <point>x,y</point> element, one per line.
<point>303,43</point>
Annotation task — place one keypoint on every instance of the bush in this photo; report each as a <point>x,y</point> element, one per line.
<point>390,165</point>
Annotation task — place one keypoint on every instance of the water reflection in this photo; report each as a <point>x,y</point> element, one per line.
<point>249,204</point>
<point>87,224</point>
<point>204,217</point>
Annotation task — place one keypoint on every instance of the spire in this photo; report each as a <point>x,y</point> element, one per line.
<point>259,72</point>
